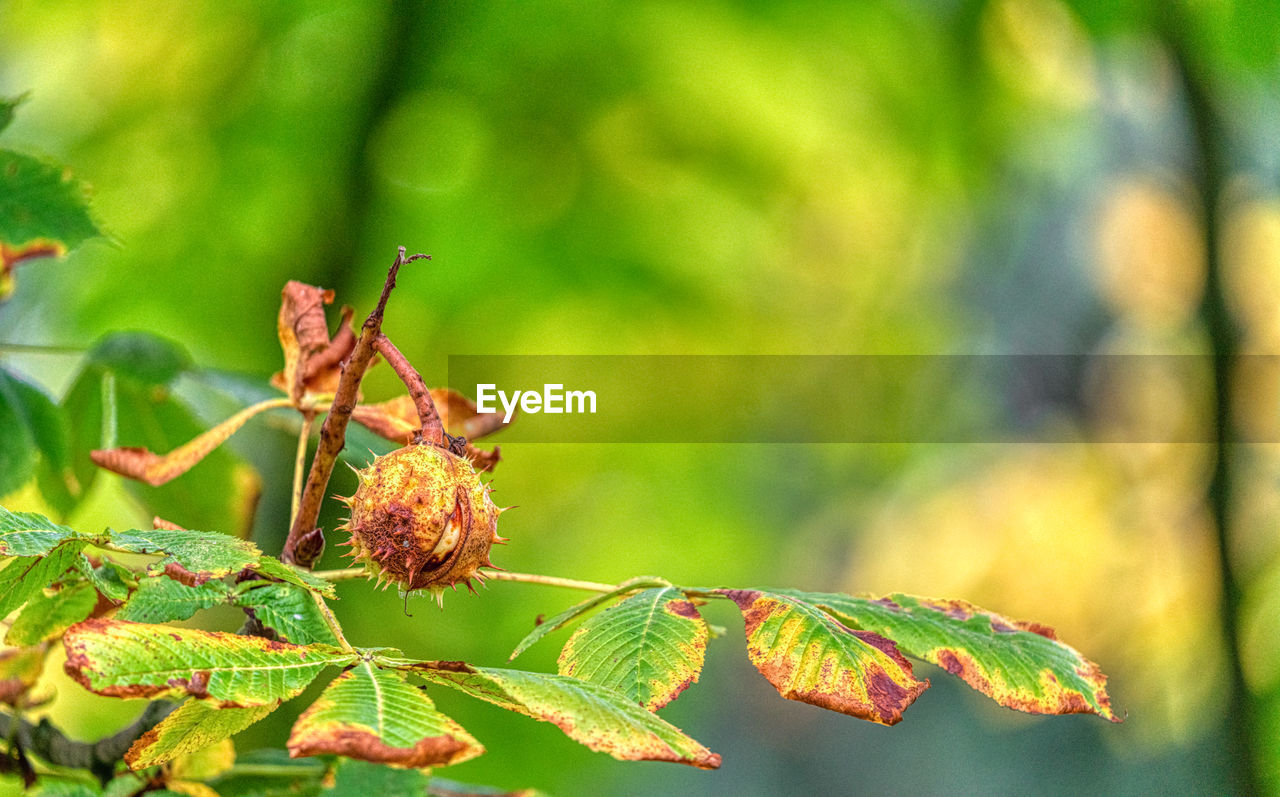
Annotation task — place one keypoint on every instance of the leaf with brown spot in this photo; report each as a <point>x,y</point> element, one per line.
<point>191,557</point>
<point>161,599</point>
<point>810,657</point>
<point>593,715</point>
<point>122,659</point>
<point>567,616</point>
<point>375,715</point>
<point>191,728</point>
<point>1020,665</point>
<point>649,647</point>
<point>154,469</point>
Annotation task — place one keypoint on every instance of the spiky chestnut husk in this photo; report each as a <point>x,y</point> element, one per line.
<point>422,519</point>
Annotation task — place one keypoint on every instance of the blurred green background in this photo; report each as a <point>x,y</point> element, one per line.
<point>886,176</point>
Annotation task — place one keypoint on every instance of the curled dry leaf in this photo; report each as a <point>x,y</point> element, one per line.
<point>156,469</point>
<point>397,420</point>
<point>311,359</point>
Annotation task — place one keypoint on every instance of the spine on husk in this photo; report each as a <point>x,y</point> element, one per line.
<point>422,519</point>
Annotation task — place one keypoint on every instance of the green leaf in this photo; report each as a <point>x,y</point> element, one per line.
<point>142,357</point>
<point>160,599</point>
<point>30,423</point>
<point>17,447</point>
<point>29,533</point>
<point>288,610</point>
<point>122,659</point>
<point>47,616</point>
<point>192,726</point>
<point>43,210</point>
<point>26,576</point>
<point>810,657</point>
<point>58,788</point>
<point>112,579</point>
<point>375,715</point>
<point>355,778</point>
<point>192,557</point>
<point>7,107</point>
<point>125,784</point>
<point>270,772</point>
<point>573,612</point>
<point>649,647</point>
<point>270,566</point>
<point>136,371</point>
<point>1019,665</point>
<point>588,713</point>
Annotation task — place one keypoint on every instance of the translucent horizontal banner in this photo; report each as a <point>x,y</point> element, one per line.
<point>867,398</point>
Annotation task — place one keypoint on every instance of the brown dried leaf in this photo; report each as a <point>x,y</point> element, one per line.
<point>154,469</point>
<point>303,331</point>
<point>397,420</point>
<point>312,362</point>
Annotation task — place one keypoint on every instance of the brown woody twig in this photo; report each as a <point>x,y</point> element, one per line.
<point>306,542</point>
<point>431,430</point>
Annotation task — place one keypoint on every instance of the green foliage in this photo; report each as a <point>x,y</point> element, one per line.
<point>40,204</point>
<point>47,615</point>
<point>649,647</point>
<point>375,715</point>
<point>192,557</point>
<point>32,432</point>
<point>25,576</point>
<point>160,599</point>
<point>578,610</point>
<point>30,534</point>
<point>289,611</point>
<point>590,714</point>
<point>121,659</point>
<point>1019,665</point>
<point>194,725</point>
<point>137,372</point>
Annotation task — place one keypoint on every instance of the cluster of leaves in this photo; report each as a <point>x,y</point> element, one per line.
<point>616,670</point>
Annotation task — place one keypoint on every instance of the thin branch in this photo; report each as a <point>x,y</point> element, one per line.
<point>306,542</point>
<point>550,581</point>
<point>430,428</point>
<point>345,574</point>
<point>300,463</point>
<point>100,758</point>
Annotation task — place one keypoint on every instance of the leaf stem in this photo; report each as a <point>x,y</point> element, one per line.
<point>430,428</point>
<point>305,542</point>
<point>345,574</point>
<point>300,462</point>
<point>331,621</point>
<point>550,581</point>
